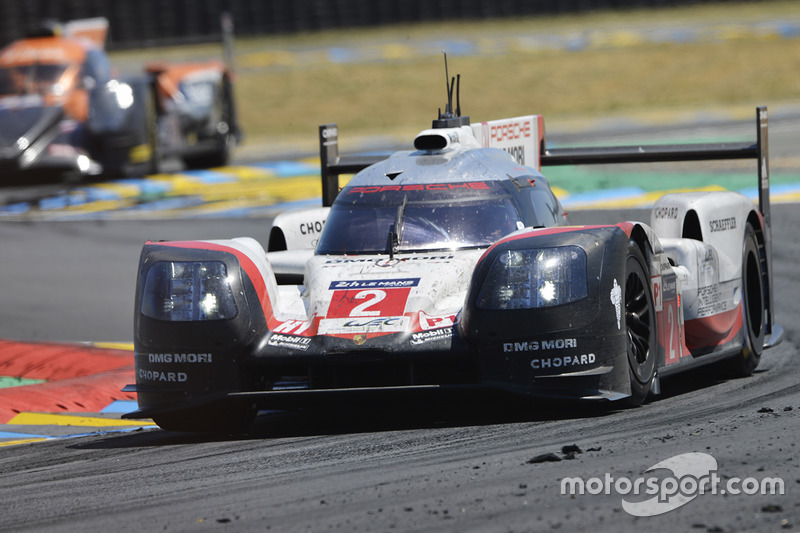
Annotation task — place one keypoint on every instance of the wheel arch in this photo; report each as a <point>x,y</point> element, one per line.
<point>646,240</point>
<point>757,223</point>
<point>642,238</point>
<point>277,240</point>
<point>691,228</point>
<point>642,323</point>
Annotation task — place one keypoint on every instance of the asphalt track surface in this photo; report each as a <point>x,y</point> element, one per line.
<point>404,467</point>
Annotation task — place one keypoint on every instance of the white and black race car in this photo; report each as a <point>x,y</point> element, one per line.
<point>452,267</point>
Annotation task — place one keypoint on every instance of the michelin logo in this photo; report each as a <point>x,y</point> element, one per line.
<point>616,299</point>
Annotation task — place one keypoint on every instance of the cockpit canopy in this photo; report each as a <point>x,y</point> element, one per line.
<point>419,217</point>
<point>34,78</point>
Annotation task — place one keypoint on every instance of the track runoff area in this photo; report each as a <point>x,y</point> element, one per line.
<point>56,391</point>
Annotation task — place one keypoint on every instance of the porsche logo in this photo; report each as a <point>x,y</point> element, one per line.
<point>360,339</point>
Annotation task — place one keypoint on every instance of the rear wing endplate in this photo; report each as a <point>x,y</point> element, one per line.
<point>93,29</point>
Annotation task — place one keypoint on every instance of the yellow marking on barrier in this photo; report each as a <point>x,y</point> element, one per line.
<point>396,51</point>
<point>102,205</point>
<point>616,39</point>
<point>785,197</point>
<point>181,184</point>
<point>161,178</point>
<point>707,188</point>
<point>22,441</point>
<point>233,191</point>
<point>125,190</point>
<point>258,193</point>
<point>219,207</point>
<point>733,32</point>
<point>114,345</point>
<point>296,187</point>
<point>311,160</point>
<point>266,59</point>
<point>46,419</point>
<point>250,173</point>
<point>651,197</point>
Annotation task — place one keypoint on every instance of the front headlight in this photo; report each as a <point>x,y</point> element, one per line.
<point>184,291</point>
<point>534,278</point>
<point>122,92</point>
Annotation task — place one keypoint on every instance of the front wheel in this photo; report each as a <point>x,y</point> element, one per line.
<point>753,308</point>
<point>640,326</point>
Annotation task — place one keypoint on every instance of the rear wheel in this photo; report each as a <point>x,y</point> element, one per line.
<point>640,326</point>
<point>225,134</point>
<point>753,306</point>
<point>153,165</point>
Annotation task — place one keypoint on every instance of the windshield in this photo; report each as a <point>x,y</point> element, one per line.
<point>418,217</point>
<point>31,79</point>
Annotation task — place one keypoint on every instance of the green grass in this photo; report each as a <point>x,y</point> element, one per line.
<point>402,96</point>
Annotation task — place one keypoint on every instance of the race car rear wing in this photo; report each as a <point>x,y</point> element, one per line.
<point>333,164</point>
<point>664,153</point>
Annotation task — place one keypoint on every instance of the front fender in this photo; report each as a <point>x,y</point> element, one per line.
<point>582,341</point>
<point>199,307</point>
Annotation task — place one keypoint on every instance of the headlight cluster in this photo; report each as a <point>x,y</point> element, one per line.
<point>122,92</point>
<point>534,278</point>
<point>184,291</point>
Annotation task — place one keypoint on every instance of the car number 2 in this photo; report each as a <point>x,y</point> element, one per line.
<point>672,337</point>
<point>372,298</point>
<point>368,303</point>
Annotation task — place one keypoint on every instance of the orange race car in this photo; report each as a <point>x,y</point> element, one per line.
<point>64,113</point>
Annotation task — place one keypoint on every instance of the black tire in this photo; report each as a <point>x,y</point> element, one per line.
<point>217,419</point>
<point>153,165</point>
<point>225,136</point>
<point>753,306</point>
<point>640,325</point>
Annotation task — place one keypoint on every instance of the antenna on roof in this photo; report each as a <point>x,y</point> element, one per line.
<point>448,119</point>
<point>458,95</point>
